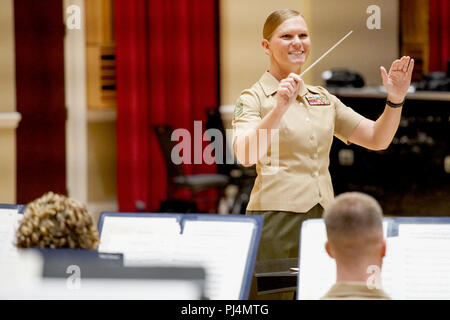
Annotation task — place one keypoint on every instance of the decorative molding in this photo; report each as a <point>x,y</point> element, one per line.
<point>9,120</point>
<point>76,127</point>
<point>227,112</point>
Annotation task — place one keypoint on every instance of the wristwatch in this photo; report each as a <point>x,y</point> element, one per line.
<point>395,105</point>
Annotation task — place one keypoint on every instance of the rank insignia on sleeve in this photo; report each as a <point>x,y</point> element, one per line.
<point>317,100</point>
<point>238,109</point>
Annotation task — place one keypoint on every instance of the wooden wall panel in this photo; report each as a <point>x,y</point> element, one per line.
<point>414,15</point>
<point>100,54</point>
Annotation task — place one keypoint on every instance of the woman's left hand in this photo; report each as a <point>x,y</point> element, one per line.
<point>398,80</point>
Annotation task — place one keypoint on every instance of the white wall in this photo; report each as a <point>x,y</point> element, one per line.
<point>365,50</point>
<point>243,60</point>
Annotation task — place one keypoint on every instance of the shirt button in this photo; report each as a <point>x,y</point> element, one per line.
<point>314,156</point>
<point>312,138</point>
<point>307,120</point>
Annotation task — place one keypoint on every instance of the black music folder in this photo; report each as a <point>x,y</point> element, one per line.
<point>58,261</point>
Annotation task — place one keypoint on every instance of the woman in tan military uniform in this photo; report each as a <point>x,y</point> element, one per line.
<point>286,127</point>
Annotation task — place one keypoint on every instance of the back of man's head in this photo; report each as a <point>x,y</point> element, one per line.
<point>354,227</point>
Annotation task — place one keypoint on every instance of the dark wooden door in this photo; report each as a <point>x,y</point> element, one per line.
<point>39,39</point>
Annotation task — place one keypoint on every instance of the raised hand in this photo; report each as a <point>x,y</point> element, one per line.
<point>398,80</point>
<point>288,90</point>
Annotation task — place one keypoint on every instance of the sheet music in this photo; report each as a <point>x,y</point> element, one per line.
<point>390,272</point>
<point>141,240</point>
<point>23,268</point>
<point>317,270</point>
<point>9,222</point>
<point>424,231</point>
<point>422,269</point>
<point>315,278</point>
<point>221,247</point>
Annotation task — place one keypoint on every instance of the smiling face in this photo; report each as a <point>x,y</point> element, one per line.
<point>288,47</point>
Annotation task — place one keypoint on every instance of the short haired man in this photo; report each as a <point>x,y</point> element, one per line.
<point>354,224</point>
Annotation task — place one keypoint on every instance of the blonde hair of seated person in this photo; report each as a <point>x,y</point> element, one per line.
<point>56,221</point>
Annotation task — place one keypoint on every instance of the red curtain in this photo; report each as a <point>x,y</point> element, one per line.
<point>167,71</point>
<point>439,34</point>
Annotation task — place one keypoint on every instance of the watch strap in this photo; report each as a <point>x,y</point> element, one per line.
<point>395,105</point>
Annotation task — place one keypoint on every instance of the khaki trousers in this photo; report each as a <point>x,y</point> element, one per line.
<point>280,240</point>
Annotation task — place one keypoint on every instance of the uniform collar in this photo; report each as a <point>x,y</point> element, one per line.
<point>270,84</point>
<point>352,288</point>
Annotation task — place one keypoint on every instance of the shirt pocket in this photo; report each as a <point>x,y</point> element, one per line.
<point>295,125</point>
<point>323,118</point>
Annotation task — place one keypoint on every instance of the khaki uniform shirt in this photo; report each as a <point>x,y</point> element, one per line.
<point>354,291</point>
<point>298,178</point>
